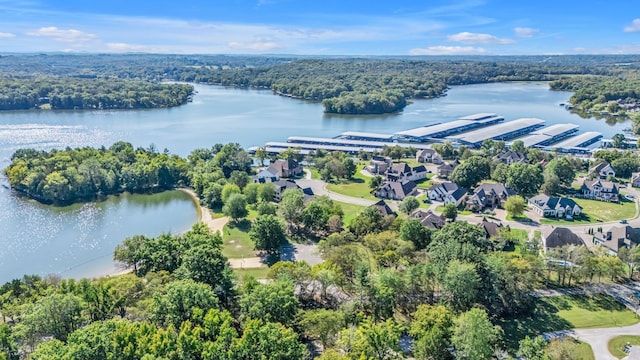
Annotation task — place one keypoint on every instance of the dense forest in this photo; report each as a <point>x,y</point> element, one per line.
<point>344,85</point>
<point>65,176</point>
<point>60,93</point>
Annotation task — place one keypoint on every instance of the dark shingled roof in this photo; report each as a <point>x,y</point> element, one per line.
<point>561,236</point>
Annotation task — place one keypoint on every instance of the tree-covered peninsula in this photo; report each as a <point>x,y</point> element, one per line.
<point>63,177</point>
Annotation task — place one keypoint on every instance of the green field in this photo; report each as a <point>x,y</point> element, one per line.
<point>616,345</point>
<point>567,312</point>
<point>440,208</point>
<point>350,211</point>
<point>356,187</point>
<point>578,350</point>
<point>257,273</point>
<point>236,240</point>
<point>604,211</point>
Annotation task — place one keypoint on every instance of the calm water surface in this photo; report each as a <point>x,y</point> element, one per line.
<point>79,240</point>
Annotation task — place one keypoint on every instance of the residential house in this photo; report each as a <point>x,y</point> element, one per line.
<point>448,193</point>
<point>429,219</point>
<point>282,185</point>
<point>617,237</point>
<point>557,237</point>
<point>265,176</point>
<point>403,172</point>
<point>490,228</point>
<point>378,165</point>
<point>510,157</point>
<point>384,209</point>
<point>602,171</point>
<point>396,190</point>
<point>488,195</point>
<point>445,170</point>
<point>635,179</point>
<point>428,156</point>
<point>285,168</point>
<point>555,207</point>
<point>600,190</point>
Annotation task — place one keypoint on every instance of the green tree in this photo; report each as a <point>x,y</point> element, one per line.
<point>562,169</point>
<point>266,340</point>
<point>375,182</point>
<point>228,190</point>
<point>524,178</point>
<point>56,315</point>
<point>371,341</point>
<point>450,211</point>
<point>235,207</point>
<point>461,285</point>
<point>251,193</point>
<point>206,264</point>
<point>291,209</point>
<point>368,221</point>
<point>471,172</point>
<point>474,337</point>
<point>274,302</point>
<point>500,173</point>
<point>412,230</point>
<point>261,154</point>
<point>8,347</point>
<point>533,348</point>
<point>408,204</point>
<point>431,332</point>
<point>323,325</point>
<point>266,192</point>
<point>515,206</point>
<point>180,301</point>
<point>266,208</point>
<point>518,146</point>
<point>267,233</point>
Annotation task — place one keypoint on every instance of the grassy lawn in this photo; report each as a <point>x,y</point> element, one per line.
<point>257,273</point>
<point>426,183</point>
<point>567,312</point>
<point>584,219</point>
<point>440,209</point>
<point>616,345</point>
<point>604,211</point>
<point>350,211</point>
<point>236,240</point>
<point>315,174</point>
<point>579,350</point>
<point>356,187</point>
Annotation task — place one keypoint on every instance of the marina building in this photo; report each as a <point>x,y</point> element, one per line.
<point>578,143</point>
<point>502,131</point>
<point>366,136</point>
<point>548,135</point>
<point>441,130</point>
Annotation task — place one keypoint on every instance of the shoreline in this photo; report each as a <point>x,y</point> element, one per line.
<point>204,214</point>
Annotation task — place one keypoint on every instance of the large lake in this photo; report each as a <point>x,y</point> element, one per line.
<point>79,240</point>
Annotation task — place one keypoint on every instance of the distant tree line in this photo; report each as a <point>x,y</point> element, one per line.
<point>63,93</point>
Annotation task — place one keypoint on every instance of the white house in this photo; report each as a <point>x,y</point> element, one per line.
<point>428,156</point>
<point>555,207</point>
<point>600,190</point>
<point>602,171</point>
<point>448,193</point>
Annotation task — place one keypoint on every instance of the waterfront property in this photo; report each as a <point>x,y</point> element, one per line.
<point>602,170</point>
<point>600,190</point>
<point>265,176</point>
<point>555,207</point>
<point>282,185</point>
<point>429,156</point>
<point>488,196</point>
<point>441,130</point>
<point>548,135</point>
<point>616,238</point>
<point>448,193</point>
<point>503,131</point>
<point>578,143</point>
<point>285,168</point>
<point>510,157</point>
<point>306,145</point>
<point>557,237</point>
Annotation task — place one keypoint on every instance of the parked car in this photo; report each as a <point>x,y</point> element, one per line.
<point>623,221</point>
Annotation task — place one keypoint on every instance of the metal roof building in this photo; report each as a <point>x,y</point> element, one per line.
<point>579,141</point>
<point>503,131</point>
<point>440,130</point>
<point>366,136</point>
<point>548,135</point>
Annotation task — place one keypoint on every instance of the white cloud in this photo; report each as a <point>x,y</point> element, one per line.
<point>124,47</point>
<point>4,35</point>
<point>68,35</point>
<point>448,50</point>
<point>525,32</point>
<point>634,27</point>
<point>259,45</point>
<point>478,39</point>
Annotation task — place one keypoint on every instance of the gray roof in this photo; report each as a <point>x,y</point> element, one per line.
<point>553,203</point>
<point>588,184</point>
<point>597,168</point>
<point>477,136</point>
<point>384,209</point>
<point>428,218</point>
<point>577,140</point>
<point>619,236</point>
<point>367,135</point>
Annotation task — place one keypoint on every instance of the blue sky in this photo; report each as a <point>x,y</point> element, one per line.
<point>322,27</point>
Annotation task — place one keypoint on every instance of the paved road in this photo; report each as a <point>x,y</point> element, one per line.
<point>319,187</point>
